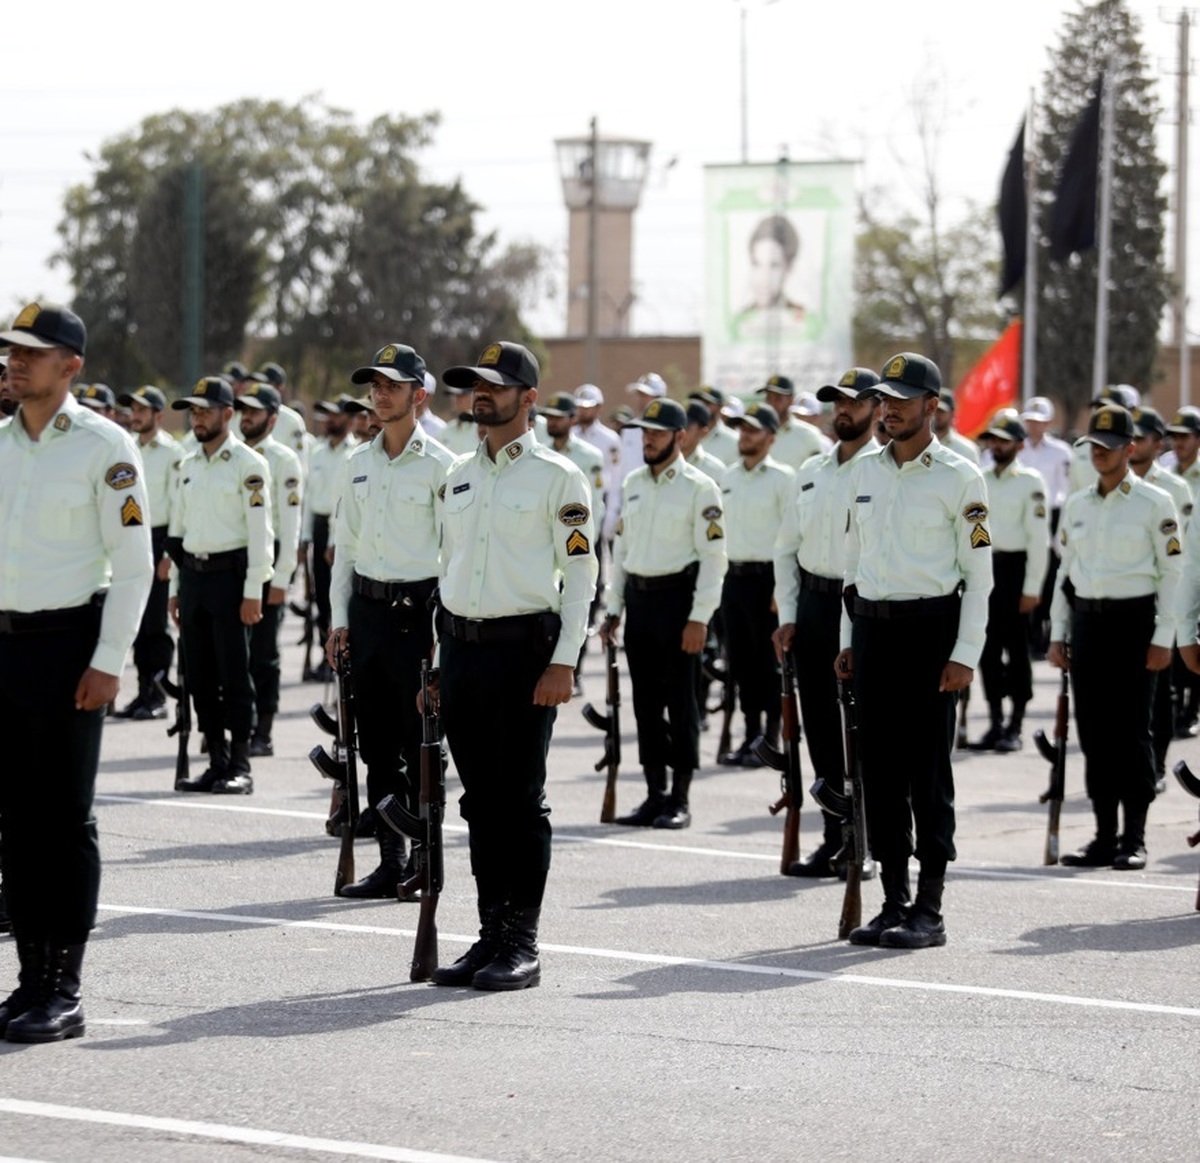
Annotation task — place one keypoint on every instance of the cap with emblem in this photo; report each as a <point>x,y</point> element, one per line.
<point>560,404</point>
<point>663,416</point>
<point>97,396</point>
<point>651,384</point>
<point>1039,408</point>
<point>708,394</point>
<point>908,375</point>
<point>1187,420</point>
<point>259,397</point>
<point>210,392</point>
<point>758,415</point>
<point>235,370</point>
<point>395,361</point>
<point>781,384</point>
<point>46,325</point>
<point>1006,425</point>
<point>588,396</point>
<point>1147,422</point>
<point>1110,426</point>
<point>364,404</point>
<point>855,383</point>
<point>697,413</point>
<point>946,400</point>
<point>335,407</point>
<point>147,394</point>
<point>1123,395</point>
<point>507,365</point>
<point>271,373</point>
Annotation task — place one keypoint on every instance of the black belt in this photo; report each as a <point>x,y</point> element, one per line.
<point>396,592</point>
<point>914,608</point>
<point>666,581</point>
<point>751,569</point>
<point>1009,553</point>
<point>515,628</point>
<point>51,621</point>
<point>1111,605</point>
<point>819,584</point>
<point>223,562</point>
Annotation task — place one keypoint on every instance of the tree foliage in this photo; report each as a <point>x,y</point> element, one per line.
<point>319,234</point>
<point>1102,37</point>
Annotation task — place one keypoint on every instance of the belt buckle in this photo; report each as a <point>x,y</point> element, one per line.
<point>200,556</point>
<point>473,630</point>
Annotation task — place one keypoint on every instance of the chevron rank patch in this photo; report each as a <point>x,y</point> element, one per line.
<point>293,500</point>
<point>980,537</point>
<point>1174,549</point>
<point>578,545</point>
<point>256,500</point>
<point>131,513</point>
<point>121,476</point>
<point>715,532</point>
<point>1040,511</point>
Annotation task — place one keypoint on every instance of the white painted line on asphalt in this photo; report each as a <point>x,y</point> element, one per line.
<point>207,806</point>
<point>46,1110</point>
<point>690,962</point>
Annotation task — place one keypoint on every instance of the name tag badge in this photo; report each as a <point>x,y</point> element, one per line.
<point>805,488</point>
<point>461,488</point>
<point>863,499</point>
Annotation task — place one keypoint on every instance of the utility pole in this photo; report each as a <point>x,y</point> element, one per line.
<point>192,305</point>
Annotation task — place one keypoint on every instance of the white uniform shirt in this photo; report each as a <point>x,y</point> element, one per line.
<point>755,502</point>
<point>160,456</point>
<point>1080,473</point>
<point>326,470</point>
<point>287,499</point>
<point>1176,488</point>
<point>1017,500</point>
<point>389,517</point>
<point>1052,458</point>
<point>517,536</point>
<point>721,442</point>
<point>708,464</point>
<point>915,531</point>
<point>460,436</point>
<point>609,443</point>
<point>590,461</point>
<point>73,521</point>
<point>795,442</point>
<point>290,430</point>
<point>957,442</point>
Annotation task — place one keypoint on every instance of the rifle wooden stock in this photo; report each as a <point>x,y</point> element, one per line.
<point>1189,783</point>
<point>855,841</point>
<point>728,703</point>
<point>348,740</point>
<point>793,793</point>
<point>1058,770</point>
<point>309,614</point>
<point>612,742</point>
<point>960,735</point>
<point>182,727</point>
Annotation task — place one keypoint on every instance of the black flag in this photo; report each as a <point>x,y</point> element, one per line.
<point>1012,213</point>
<point>1073,216</point>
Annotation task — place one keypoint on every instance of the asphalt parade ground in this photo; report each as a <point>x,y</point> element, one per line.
<point>695,1005</point>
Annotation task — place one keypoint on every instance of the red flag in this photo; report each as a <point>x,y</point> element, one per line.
<point>991,384</point>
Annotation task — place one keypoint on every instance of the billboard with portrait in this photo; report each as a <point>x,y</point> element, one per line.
<point>779,264</point>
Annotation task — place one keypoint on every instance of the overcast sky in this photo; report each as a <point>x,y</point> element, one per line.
<point>824,80</point>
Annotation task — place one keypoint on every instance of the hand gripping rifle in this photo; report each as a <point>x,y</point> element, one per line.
<point>425,830</point>
<point>787,762</point>
<point>341,767</point>
<point>1190,784</point>
<point>182,727</point>
<point>1056,755</point>
<point>610,724</point>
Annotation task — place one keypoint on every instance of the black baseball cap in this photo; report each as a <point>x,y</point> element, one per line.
<point>1006,425</point>
<point>854,383</point>
<point>1110,426</point>
<point>757,415</point>
<point>398,362</point>
<point>235,370</point>
<point>708,394</point>
<point>1147,422</point>
<point>46,325</point>
<point>504,364</point>
<point>96,396</point>
<point>560,404</point>
<point>210,392</point>
<point>779,384</point>
<point>946,400</point>
<point>697,413</point>
<point>1187,420</point>
<point>271,373</point>
<point>335,407</point>
<point>259,397</point>
<point>663,415</point>
<point>148,395</point>
<point>908,375</point>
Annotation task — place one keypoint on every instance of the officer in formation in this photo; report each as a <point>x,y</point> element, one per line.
<point>589,399</point>
<point>756,492</point>
<point>668,567</point>
<point>1184,431</point>
<point>1113,625</point>
<point>720,440</point>
<point>699,422</point>
<point>221,544</point>
<point>517,576</point>
<point>809,566</point>
<point>461,435</point>
<point>919,571</point>
<point>944,430</point>
<point>290,428</point>
<point>432,424</point>
<point>153,648</point>
<point>795,441</point>
<point>73,513</point>
<point>259,406</point>
<point>645,390</point>
<point>1016,496</point>
<point>100,398</point>
<point>1082,472</point>
<point>385,569</point>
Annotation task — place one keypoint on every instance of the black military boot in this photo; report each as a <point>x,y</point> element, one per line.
<point>56,1012</point>
<point>994,734</point>
<point>675,814</point>
<point>820,863</point>
<point>218,764</point>
<point>654,803</point>
<point>923,926</point>
<point>1131,848</point>
<point>743,756</point>
<point>516,964</point>
<point>1011,739</point>
<point>491,931</point>
<point>893,874</point>
<point>260,741</point>
<point>31,953</point>
<point>237,780</point>
<point>383,882</point>
<point>1102,849</point>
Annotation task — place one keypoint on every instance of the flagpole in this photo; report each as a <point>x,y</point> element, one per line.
<point>1100,353</point>
<point>1029,319</point>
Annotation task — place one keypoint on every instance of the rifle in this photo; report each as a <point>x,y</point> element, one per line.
<point>307,613</point>
<point>960,735</point>
<point>720,673</point>
<point>425,830</point>
<point>341,767</point>
<point>1190,784</point>
<point>1056,755</point>
<point>787,762</point>
<point>337,799</point>
<point>610,724</point>
<point>182,727</point>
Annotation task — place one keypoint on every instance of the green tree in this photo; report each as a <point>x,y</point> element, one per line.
<point>1102,37</point>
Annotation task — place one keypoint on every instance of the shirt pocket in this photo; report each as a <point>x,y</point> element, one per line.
<point>672,521</point>
<point>516,512</point>
<point>1127,545</point>
<point>412,505</point>
<point>924,528</point>
<point>67,512</point>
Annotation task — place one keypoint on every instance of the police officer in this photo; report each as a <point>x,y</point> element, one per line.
<point>77,552</point>
<point>517,575</point>
<point>385,570</point>
<point>699,424</point>
<point>755,493</point>
<point>290,428</point>
<point>259,407</point>
<point>809,565</point>
<point>668,566</point>
<point>944,430</point>
<point>1020,548</point>
<point>8,401</point>
<point>919,567</point>
<point>221,544</point>
<point>720,440</point>
<point>795,441</point>
<point>461,435</point>
<point>1113,625</point>
<point>1082,472</point>
<point>153,648</point>
<point>1184,431</point>
<point>100,398</point>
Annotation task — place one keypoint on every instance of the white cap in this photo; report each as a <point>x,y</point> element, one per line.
<point>589,396</point>
<point>430,383</point>
<point>806,404</point>
<point>734,409</point>
<point>1039,408</point>
<point>651,384</point>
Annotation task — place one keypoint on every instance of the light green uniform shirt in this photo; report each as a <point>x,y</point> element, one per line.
<point>755,501</point>
<point>287,499</point>
<point>795,442</point>
<point>1016,497</point>
<point>160,456</point>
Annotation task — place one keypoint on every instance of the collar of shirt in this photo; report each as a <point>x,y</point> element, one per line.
<point>924,461</point>
<point>668,474</point>
<point>417,446</point>
<point>511,453</point>
<point>216,452</point>
<point>62,422</point>
<point>1126,486</point>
